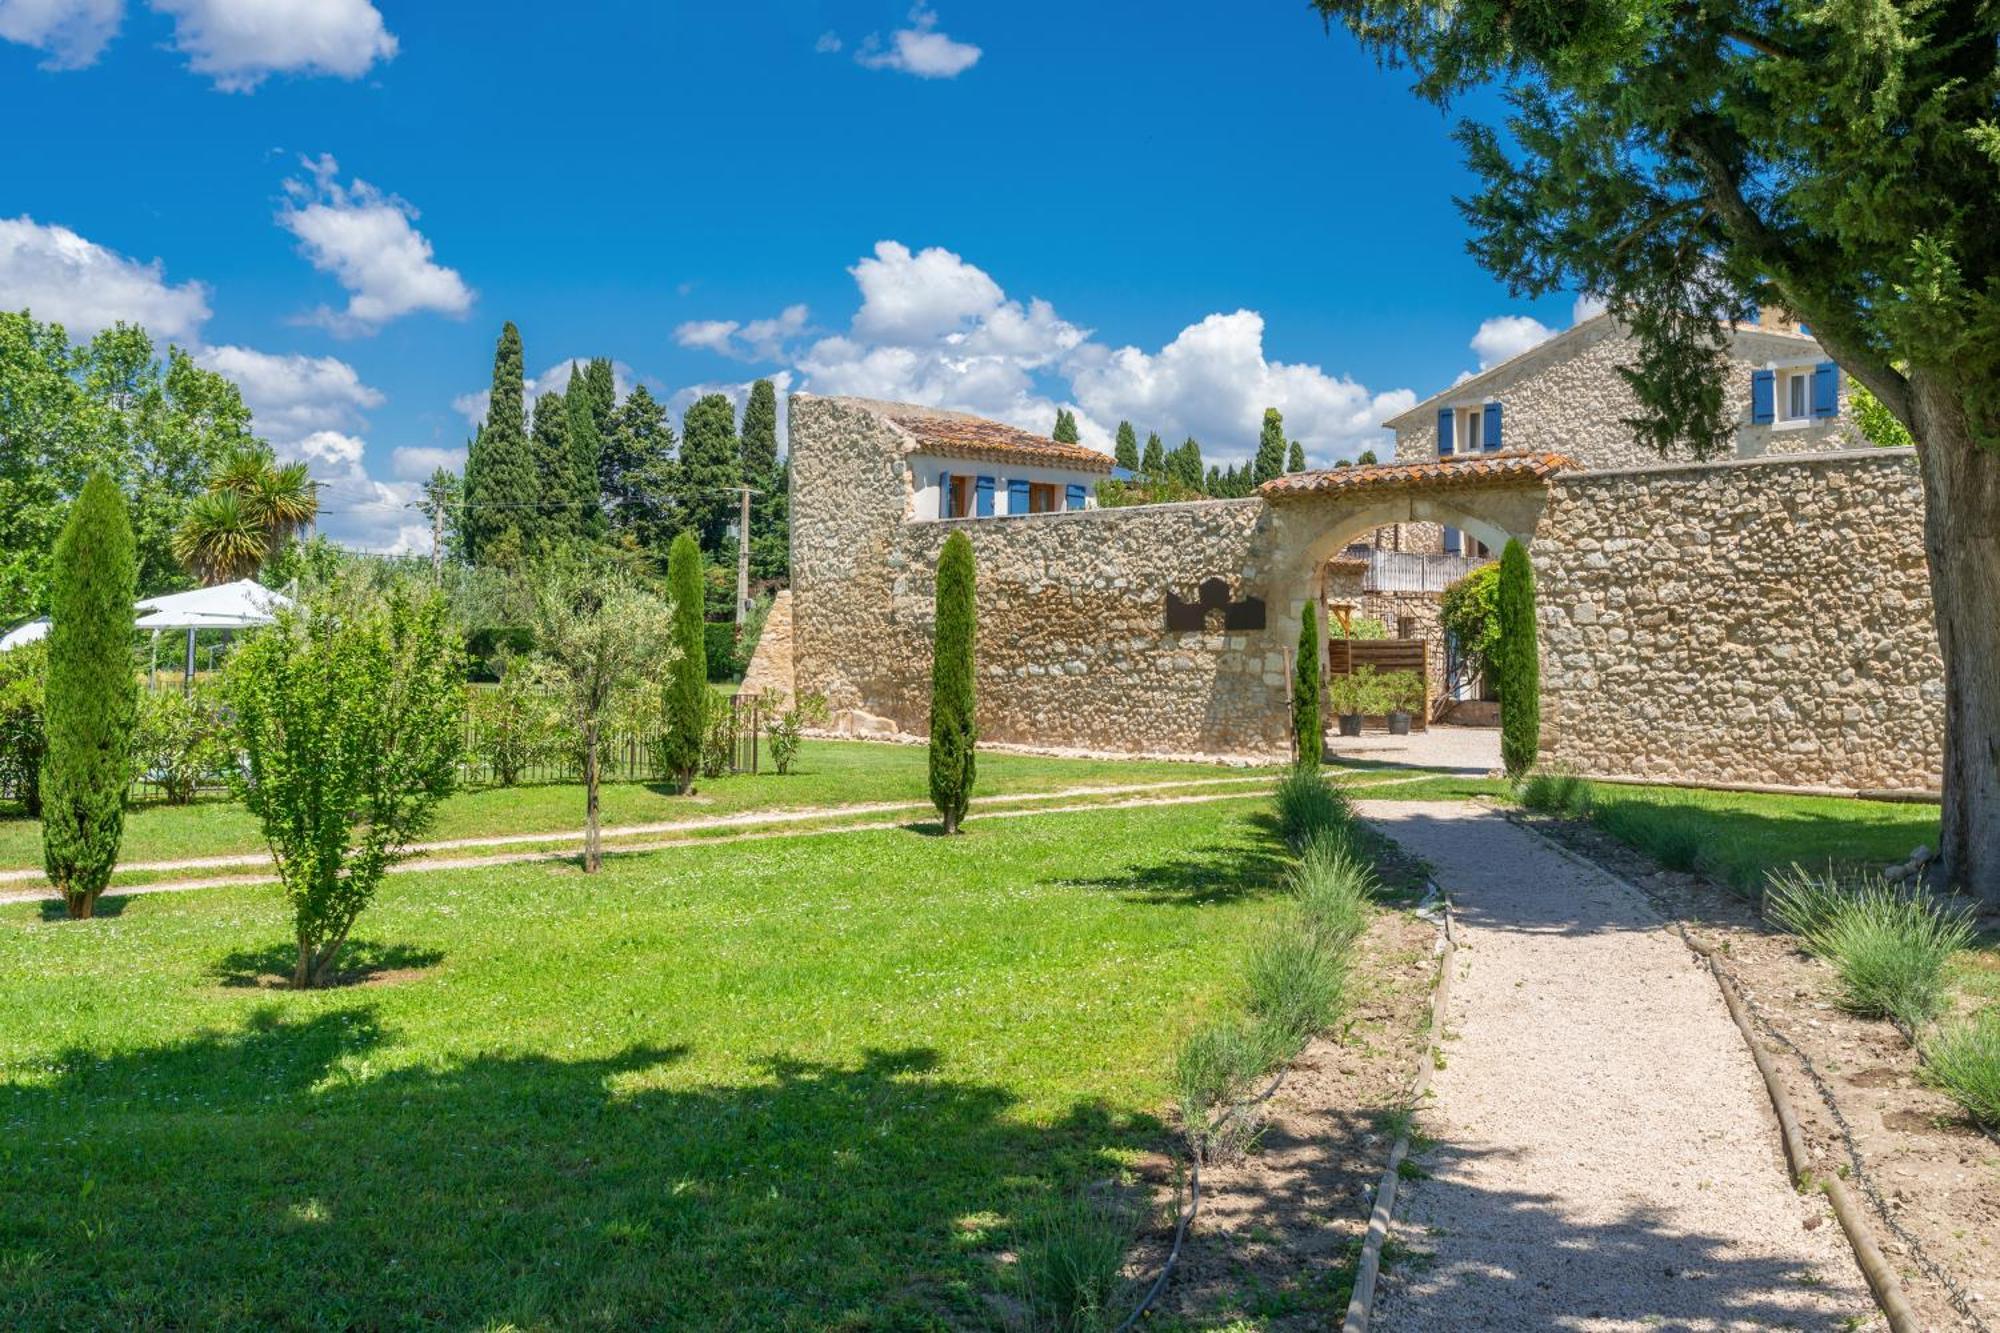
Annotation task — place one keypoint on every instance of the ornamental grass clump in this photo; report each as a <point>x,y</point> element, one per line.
<point>1888,947</point>
<point>1676,835</point>
<point>1556,791</point>
<point>1072,1264</point>
<point>1296,980</point>
<point>1309,803</point>
<point>1963,1059</point>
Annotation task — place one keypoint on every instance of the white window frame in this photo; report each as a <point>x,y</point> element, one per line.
<point>1471,438</point>
<point>1782,380</point>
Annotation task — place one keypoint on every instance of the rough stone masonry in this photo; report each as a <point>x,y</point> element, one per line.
<point>1765,621</point>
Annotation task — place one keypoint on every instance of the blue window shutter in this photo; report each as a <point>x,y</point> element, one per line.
<point>1826,390</point>
<point>983,497</point>
<point>944,495</point>
<point>1017,497</point>
<point>1078,497</point>
<point>1491,431</point>
<point>1763,397</point>
<point>1453,544</point>
<point>1444,432</point>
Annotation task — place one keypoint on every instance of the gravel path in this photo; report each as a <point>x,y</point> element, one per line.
<point>1602,1152</point>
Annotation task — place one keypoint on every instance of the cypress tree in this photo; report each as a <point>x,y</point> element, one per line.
<point>502,486</point>
<point>557,518</point>
<point>586,447</point>
<point>635,469</point>
<point>687,679</point>
<point>954,733</point>
<point>602,385</point>
<point>1127,451</point>
<point>1188,460</point>
<point>1214,483</point>
<point>1366,458</point>
<point>1065,431</point>
<point>1154,465</point>
<point>1519,661</point>
<point>711,463</point>
<point>91,696</point>
<point>760,435</point>
<point>1306,690</point>
<point>1297,461</point>
<point>1270,448</point>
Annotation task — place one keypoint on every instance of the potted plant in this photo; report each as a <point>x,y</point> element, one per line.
<point>1349,696</point>
<point>1403,694</point>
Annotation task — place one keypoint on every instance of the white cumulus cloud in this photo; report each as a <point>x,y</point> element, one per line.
<point>65,279</point>
<point>1505,337</point>
<point>290,395</point>
<point>760,339</point>
<point>368,241</point>
<point>417,462</point>
<point>240,43</point>
<point>73,32</point>
<point>919,49</point>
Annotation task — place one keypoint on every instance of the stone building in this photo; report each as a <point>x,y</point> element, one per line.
<point>1763,620</point>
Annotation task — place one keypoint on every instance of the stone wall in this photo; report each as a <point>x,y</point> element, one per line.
<point>770,667</point>
<point>1763,622</point>
<point>1567,396</point>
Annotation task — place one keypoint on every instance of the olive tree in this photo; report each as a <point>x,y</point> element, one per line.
<point>598,631</point>
<point>351,714</point>
<point>1838,161</point>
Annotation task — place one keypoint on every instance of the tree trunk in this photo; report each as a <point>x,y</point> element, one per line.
<point>302,973</point>
<point>593,852</point>
<point>80,906</point>
<point>1962,543</point>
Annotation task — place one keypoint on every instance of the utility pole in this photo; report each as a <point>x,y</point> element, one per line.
<point>437,538</point>
<point>743,563</point>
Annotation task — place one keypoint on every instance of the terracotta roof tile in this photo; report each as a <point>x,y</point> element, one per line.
<point>956,435</point>
<point>1459,470</point>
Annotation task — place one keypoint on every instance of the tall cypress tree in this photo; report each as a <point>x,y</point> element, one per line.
<point>602,385</point>
<point>954,732</point>
<point>635,470</point>
<point>91,696</point>
<point>687,679</point>
<point>1306,690</point>
<point>1270,460</point>
<point>1185,464</point>
<point>1297,461</point>
<point>585,449</point>
<point>558,519</point>
<point>1519,659</point>
<point>711,464</point>
<point>502,487</point>
<point>760,435</point>
<point>1127,451</point>
<point>1065,430</point>
<point>1154,465</point>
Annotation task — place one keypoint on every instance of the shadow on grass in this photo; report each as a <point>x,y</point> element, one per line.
<point>294,1171</point>
<point>1217,873</point>
<point>108,904</point>
<point>361,962</point>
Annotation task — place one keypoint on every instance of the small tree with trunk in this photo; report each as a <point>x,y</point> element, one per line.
<point>1520,662</point>
<point>598,631</point>
<point>954,733</point>
<point>91,696</point>
<point>351,714</point>
<point>687,675</point>
<point>1306,690</point>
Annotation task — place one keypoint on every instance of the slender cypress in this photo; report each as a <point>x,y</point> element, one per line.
<point>1306,690</point>
<point>1297,461</point>
<point>1270,461</point>
<point>1153,466</point>
<point>91,697</point>
<point>1065,430</point>
<point>760,435</point>
<point>954,733</point>
<point>502,488</point>
<point>687,679</point>
<point>1519,661</point>
<point>558,519</point>
<point>1127,452</point>
<point>586,445</point>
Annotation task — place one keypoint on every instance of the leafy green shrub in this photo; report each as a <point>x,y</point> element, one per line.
<point>723,662</point>
<point>518,723</point>
<point>785,727</point>
<point>1072,1264</point>
<point>1888,947</point>
<point>24,737</point>
<point>182,743</point>
<point>1468,613</point>
<point>1401,691</point>
<point>1556,791</point>
<point>1963,1058</point>
<point>718,737</point>
<point>1308,804</point>
<point>352,718</point>
<point>1673,833</point>
<point>90,696</point>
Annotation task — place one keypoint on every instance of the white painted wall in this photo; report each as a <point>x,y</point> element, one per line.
<point>927,469</point>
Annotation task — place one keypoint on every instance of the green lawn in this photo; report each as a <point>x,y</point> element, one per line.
<point>829,773</point>
<point>802,1083</point>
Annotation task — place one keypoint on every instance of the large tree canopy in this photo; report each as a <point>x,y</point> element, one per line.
<point>1838,160</point>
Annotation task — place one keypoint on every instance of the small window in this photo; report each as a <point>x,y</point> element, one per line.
<point>1798,395</point>
<point>1470,428</point>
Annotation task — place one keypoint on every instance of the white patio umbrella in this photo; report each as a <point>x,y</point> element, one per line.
<point>22,635</point>
<point>243,604</point>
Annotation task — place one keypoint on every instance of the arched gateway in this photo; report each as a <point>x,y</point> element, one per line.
<point>1680,632</point>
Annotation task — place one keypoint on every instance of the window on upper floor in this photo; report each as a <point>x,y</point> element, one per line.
<point>1788,396</point>
<point>1473,428</point>
<point>1797,398</point>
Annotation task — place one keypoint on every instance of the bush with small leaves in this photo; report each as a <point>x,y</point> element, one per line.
<point>718,737</point>
<point>24,738</point>
<point>183,742</point>
<point>785,727</point>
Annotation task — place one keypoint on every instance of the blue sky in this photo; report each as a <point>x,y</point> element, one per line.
<point>1173,213</point>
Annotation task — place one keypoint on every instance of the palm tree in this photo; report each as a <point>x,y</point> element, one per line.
<point>252,507</point>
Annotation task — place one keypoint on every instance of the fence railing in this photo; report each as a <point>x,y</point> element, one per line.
<point>1408,571</point>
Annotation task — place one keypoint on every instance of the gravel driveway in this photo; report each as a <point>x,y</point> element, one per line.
<point>1601,1153</point>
